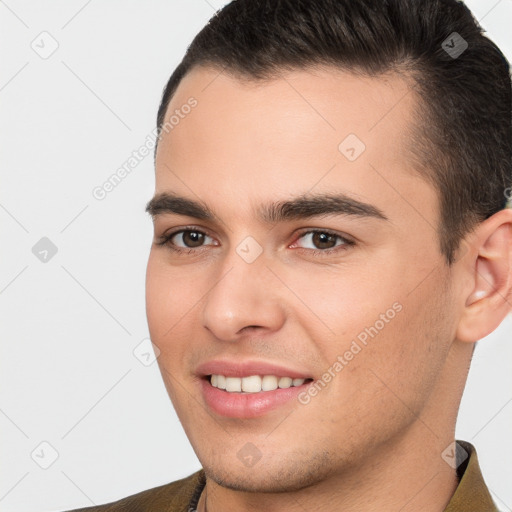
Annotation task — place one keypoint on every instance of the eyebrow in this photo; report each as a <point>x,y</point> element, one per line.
<point>301,207</point>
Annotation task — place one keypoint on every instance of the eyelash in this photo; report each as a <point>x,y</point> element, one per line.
<point>346,243</point>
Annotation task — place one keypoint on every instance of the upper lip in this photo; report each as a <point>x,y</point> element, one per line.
<point>230,368</point>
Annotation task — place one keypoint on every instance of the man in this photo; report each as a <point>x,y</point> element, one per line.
<point>331,241</point>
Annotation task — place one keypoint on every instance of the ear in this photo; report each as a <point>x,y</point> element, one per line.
<point>490,268</point>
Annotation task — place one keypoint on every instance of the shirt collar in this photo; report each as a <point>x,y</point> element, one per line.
<point>471,494</point>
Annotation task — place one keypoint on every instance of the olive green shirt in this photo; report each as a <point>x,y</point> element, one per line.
<point>182,495</point>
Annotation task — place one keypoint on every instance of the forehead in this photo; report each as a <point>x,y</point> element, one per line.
<point>318,130</point>
<point>323,101</point>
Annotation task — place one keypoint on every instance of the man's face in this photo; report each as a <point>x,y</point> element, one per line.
<point>368,289</point>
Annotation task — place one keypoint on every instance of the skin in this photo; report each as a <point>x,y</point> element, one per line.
<point>372,439</point>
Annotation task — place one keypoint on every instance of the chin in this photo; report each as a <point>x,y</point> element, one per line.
<point>280,475</point>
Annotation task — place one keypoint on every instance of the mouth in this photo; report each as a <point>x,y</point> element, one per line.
<point>250,396</point>
<point>254,383</point>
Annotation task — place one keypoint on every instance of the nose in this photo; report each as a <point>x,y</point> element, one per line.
<point>243,298</point>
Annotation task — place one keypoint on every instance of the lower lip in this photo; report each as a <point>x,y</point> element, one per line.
<point>248,405</point>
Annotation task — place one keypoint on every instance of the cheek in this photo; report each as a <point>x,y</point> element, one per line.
<point>336,306</point>
<point>157,297</point>
<point>173,307</point>
<point>170,294</point>
<point>406,358</point>
<point>167,302</point>
<point>373,318</point>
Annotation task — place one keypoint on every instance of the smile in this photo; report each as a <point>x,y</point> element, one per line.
<point>253,383</point>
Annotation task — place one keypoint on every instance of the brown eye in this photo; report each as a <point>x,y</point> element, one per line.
<point>186,241</point>
<point>189,238</point>
<point>321,240</point>
<point>324,240</point>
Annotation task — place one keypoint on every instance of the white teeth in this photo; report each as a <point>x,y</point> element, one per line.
<point>221,381</point>
<point>268,383</point>
<point>253,383</point>
<point>233,384</point>
<point>285,382</point>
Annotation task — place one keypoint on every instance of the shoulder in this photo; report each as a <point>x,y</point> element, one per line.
<point>172,497</point>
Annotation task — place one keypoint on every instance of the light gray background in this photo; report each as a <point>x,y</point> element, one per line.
<point>69,326</point>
